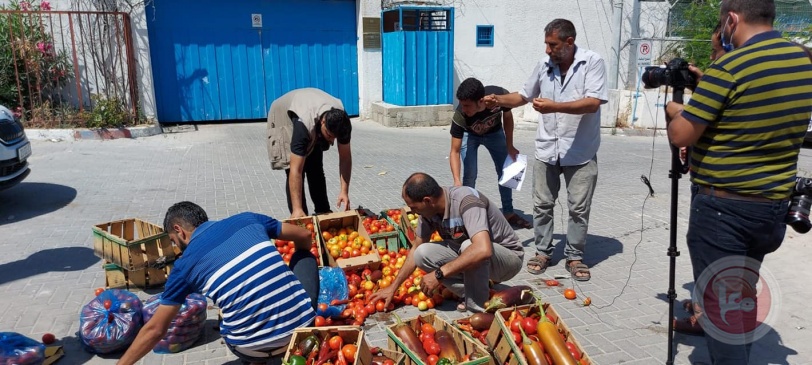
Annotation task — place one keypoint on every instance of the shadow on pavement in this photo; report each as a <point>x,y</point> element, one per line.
<point>31,199</point>
<point>598,248</point>
<point>767,350</point>
<point>52,259</point>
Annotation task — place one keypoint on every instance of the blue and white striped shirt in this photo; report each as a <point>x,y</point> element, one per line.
<point>234,263</point>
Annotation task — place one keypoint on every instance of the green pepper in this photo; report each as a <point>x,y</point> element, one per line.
<point>308,344</point>
<point>296,360</point>
<point>444,361</point>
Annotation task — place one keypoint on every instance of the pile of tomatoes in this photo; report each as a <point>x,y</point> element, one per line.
<point>373,225</point>
<point>394,214</point>
<point>345,242</point>
<point>287,248</point>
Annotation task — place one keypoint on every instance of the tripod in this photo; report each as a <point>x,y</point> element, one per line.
<point>677,169</point>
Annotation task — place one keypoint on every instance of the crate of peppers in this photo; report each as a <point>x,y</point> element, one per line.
<point>337,345</point>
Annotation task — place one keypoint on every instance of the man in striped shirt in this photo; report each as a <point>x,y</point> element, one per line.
<point>746,121</point>
<point>234,263</point>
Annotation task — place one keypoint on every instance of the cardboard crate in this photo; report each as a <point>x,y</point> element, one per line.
<point>341,220</point>
<point>302,222</point>
<point>465,344</point>
<point>350,334</point>
<point>132,243</point>
<point>117,277</point>
<point>505,346</point>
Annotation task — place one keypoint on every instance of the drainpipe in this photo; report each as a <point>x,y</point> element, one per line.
<point>617,31</point>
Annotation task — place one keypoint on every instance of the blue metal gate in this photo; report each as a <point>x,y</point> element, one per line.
<point>418,55</point>
<point>216,60</point>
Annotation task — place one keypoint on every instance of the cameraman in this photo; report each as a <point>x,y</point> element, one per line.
<point>746,122</point>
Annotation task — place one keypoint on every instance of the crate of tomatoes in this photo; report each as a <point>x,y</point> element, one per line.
<point>533,335</point>
<point>346,242</point>
<point>287,248</point>
<point>338,345</point>
<point>429,340</point>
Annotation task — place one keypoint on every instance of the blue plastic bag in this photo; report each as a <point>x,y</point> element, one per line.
<point>20,350</point>
<point>333,286</point>
<point>186,328</point>
<point>110,321</point>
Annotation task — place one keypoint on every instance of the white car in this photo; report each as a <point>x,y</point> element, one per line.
<point>14,150</point>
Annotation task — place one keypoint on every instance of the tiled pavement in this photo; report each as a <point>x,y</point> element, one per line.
<point>48,271</point>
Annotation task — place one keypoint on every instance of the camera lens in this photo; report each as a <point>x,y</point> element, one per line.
<point>798,215</point>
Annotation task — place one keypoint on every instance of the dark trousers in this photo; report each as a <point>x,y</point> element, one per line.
<point>304,267</point>
<point>739,233</point>
<point>316,183</point>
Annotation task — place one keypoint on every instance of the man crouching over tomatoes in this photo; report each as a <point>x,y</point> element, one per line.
<point>234,263</point>
<point>478,242</point>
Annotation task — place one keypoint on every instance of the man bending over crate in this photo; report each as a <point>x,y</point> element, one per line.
<point>234,263</point>
<point>478,242</point>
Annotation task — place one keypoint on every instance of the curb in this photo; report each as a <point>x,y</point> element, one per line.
<point>91,134</point>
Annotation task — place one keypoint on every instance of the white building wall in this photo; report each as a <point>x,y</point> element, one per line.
<point>519,40</point>
<point>370,62</point>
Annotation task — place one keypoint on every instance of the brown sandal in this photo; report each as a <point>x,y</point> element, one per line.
<point>539,260</point>
<point>517,221</point>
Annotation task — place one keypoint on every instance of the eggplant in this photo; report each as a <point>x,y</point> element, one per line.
<point>409,338</point>
<point>448,347</point>
<point>481,321</point>
<point>517,295</point>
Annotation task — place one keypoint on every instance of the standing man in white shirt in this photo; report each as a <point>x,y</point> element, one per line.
<point>567,87</point>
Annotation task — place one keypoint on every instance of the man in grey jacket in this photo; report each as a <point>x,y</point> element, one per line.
<point>302,124</point>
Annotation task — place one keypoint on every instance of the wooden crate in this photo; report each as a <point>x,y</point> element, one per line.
<point>505,346</point>
<point>350,334</point>
<point>302,222</point>
<point>117,277</point>
<point>465,344</point>
<point>132,243</point>
<point>341,220</point>
<point>406,227</point>
<point>398,357</point>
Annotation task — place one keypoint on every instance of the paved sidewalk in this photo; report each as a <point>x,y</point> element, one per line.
<point>48,271</point>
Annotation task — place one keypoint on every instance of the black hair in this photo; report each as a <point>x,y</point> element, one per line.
<point>420,185</point>
<point>338,123</point>
<point>470,89</point>
<point>186,214</point>
<point>563,27</point>
<point>753,11</point>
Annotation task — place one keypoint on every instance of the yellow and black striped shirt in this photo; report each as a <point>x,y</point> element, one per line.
<point>756,103</point>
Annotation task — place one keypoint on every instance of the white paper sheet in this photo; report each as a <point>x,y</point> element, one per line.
<point>513,172</point>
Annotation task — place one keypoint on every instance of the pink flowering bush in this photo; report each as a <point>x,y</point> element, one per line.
<point>38,69</point>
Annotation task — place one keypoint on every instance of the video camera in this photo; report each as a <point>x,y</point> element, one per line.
<point>674,74</point>
<point>800,205</point>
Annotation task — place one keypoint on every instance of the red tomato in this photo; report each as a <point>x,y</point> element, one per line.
<point>517,337</point>
<point>426,337</point>
<point>319,322</point>
<point>48,338</point>
<point>336,342</point>
<point>569,293</point>
<point>431,347</point>
<point>349,351</point>
<point>99,291</point>
<point>390,362</point>
<point>322,307</point>
<point>574,351</point>
<point>428,328</point>
<point>529,326</point>
<point>516,323</point>
<point>432,359</point>
<point>380,306</point>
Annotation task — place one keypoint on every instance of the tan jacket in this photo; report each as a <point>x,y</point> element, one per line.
<point>308,104</point>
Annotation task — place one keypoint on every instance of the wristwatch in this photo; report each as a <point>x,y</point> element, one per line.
<point>439,274</point>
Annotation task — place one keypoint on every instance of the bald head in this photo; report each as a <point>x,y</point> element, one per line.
<point>420,185</point>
